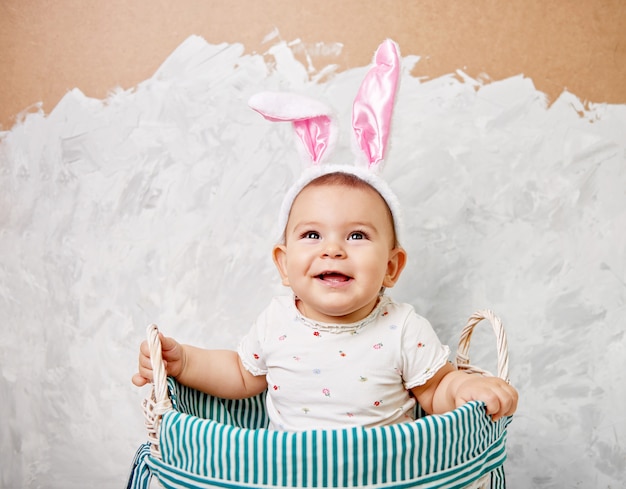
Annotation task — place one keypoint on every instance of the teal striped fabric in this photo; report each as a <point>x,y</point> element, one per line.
<point>211,442</point>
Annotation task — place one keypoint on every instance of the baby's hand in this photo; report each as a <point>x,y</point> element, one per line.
<point>499,397</point>
<point>173,356</point>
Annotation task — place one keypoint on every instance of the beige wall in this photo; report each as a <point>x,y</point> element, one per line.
<point>50,46</point>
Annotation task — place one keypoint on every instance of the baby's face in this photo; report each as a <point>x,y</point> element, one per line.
<point>338,252</point>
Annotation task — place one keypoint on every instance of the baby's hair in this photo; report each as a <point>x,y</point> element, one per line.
<point>352,181</point>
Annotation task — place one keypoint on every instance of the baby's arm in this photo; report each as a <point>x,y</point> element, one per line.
<point>216,372</point>
<point>450,388</point>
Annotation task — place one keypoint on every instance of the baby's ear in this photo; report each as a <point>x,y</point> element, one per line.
<point>395,265</point>
<point>279,255</point>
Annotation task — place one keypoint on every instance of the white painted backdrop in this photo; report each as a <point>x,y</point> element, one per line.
<point>158,204</point>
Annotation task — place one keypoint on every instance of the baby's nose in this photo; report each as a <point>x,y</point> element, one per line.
<point>333,249</point>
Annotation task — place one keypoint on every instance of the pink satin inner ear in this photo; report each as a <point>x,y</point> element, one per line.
<point>315,135</point>
<point>373,105</point>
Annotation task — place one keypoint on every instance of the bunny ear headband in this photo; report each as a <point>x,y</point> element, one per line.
<point>317,131</point>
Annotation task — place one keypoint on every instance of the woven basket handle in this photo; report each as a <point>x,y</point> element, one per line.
<point>159,373</point>
<point>462,355</point>
<point>158,401</point>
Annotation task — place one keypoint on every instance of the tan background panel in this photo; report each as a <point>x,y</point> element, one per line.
<point>50,47</point>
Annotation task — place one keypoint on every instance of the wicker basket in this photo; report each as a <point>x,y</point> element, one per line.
<point>197,440</point>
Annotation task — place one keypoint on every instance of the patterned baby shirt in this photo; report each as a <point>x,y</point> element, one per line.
<point>326,376</point>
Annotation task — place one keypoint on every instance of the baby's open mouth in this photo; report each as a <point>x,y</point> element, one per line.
<point>334,277</point>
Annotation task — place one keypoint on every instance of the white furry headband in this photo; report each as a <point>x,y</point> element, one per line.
<point>317,131</point>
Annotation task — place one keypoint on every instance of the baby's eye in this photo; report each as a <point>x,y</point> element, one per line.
<point>358,235</point>
<point>311,235</point>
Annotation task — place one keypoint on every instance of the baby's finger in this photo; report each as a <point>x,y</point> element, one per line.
<point>145,370</point>
<point>507,401</point>
<point>510,399</point>
<point>167,344</point>
<point>493,406</point>
<point>139,380</point>
<point>145,362</point>
<point>144,349</point>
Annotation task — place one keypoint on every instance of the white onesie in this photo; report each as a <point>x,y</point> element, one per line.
<point>324,376</point>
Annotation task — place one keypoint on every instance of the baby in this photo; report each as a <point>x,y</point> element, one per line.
<point>338,351</point>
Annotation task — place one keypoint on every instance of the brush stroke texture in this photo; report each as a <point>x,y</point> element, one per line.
<point>159,204</point>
